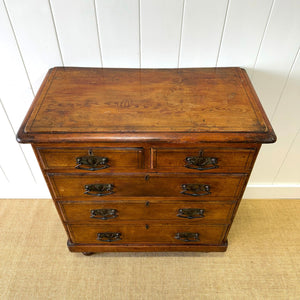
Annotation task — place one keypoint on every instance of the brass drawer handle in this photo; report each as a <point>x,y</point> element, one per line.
<point>109,236</point>
<point>104,214</point>
<point>191,213</point>
<point>187,236</point>
<point>100,189</point>
<point>201,162</point>
<point>94,163</point>
<point>194,189</point>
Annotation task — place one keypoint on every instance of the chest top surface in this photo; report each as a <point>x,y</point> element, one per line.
<point>96,104</point>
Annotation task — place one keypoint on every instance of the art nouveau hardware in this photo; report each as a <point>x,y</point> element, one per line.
<point>195,189</point>
<point>201,162</point>
<point>187,236</point>
<point>109,236</point>
<point>104,213</point>
<point>99,189</point>
<point>92,162</point>
<point>190,213</point>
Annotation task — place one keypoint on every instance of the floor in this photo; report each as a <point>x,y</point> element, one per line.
<point>262,260</point>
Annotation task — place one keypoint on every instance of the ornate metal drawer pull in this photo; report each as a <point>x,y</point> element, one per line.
<point>194,189</point>
<point>190,213</point>
<point>109,236</point>
<point>100,189</point>
<point>187,236</point>
<point>104,214</point>
<point>93,162</point>
<point>201,162</point>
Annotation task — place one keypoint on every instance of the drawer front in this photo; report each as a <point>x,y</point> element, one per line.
<point>181,211</point>
<point>157,185</point>
<point>91,159</point>
<point>143,233</point>
<point>203,159</point>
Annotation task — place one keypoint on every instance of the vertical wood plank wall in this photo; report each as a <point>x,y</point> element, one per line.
<point>262,36</point>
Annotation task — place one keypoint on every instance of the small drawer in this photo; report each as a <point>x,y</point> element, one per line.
<point>91,159</point>
<point>189,186</point>
<point>205,159</point>
<point>181,211</point>
<point>147,233</point>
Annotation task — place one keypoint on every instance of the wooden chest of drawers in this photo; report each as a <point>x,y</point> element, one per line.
<point>146,160</point>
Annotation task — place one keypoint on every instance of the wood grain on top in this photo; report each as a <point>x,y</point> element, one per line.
<point>90,103</point>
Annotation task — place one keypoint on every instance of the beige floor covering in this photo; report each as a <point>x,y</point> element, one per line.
<point>262,261</point>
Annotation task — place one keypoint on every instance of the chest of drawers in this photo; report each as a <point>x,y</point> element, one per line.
<point>146,160</point>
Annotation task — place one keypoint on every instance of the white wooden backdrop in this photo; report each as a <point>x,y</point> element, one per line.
<point>261,35</point>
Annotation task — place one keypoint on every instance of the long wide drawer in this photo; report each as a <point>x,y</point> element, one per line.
<point>91,159</point>
<point>144,233</point>
<point>209,186</point>
<point>204,159</point>
<point>180,211</point>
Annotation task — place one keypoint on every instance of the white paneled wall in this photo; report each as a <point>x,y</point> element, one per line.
<point>161,23</point>
<point>262,36</point>
<point>244,28</point>
<point>77,32</point>
<point>119,19</point>
<point>205,25</point>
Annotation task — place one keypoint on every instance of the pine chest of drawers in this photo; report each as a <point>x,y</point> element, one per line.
<point>146,160</point>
